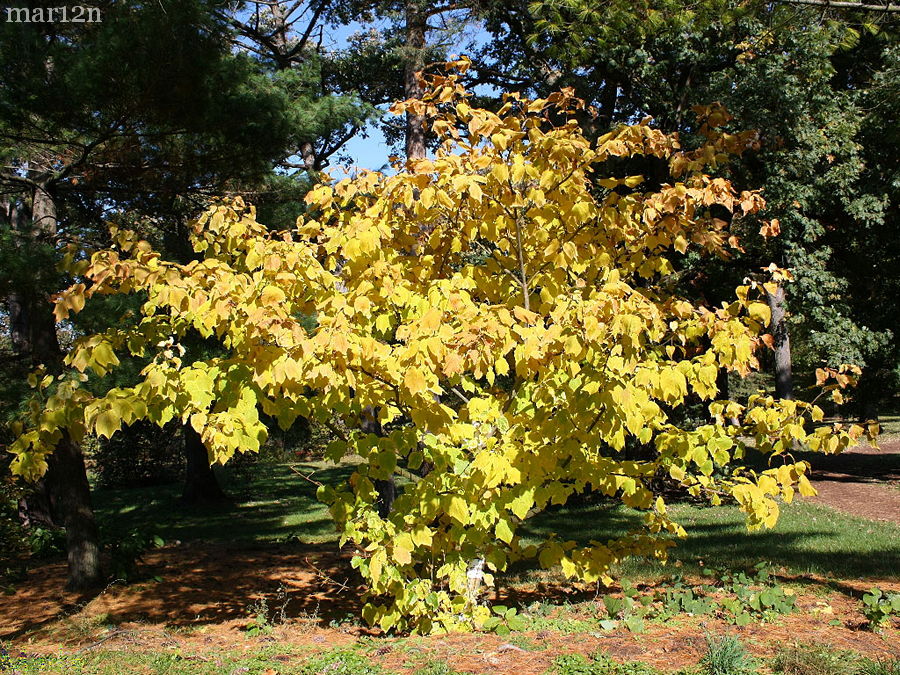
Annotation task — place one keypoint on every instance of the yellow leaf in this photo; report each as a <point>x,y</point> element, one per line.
<point>458,509</point>
<point>271,295</point>
<point>107,423</point>
<point>805,487</point>
<point>403,547</point>
<point>503,531</point>
<point>759,311</point>
<point>415,381</point>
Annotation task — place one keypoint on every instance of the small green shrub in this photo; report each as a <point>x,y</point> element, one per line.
<point>504,620</point>
<point>341,662</point>
<point>879,607</point>
<point>259,623</point>
<point>755,595</point>
<point>810,659</point>
<point>14,547</point>
<point>126,553</point>
<point>738,597</point>
<point>436,668</point>
<point>573,664</point>
<point>725,655</point>
<point>599,663</point>
<point>46,542</point>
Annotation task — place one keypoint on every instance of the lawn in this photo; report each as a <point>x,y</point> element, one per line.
<point>274,503</point>
<point>271,502</point>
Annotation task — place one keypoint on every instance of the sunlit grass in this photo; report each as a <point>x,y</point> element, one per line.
<point>807,539</point>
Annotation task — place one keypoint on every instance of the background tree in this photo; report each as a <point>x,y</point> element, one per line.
<point>144,112</point>
<point>781,68</point>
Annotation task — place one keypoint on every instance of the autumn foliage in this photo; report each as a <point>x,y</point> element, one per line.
<point>506,311</point>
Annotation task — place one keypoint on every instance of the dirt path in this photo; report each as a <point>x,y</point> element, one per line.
<point>863,482</point>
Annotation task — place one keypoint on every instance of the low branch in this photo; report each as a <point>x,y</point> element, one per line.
<point>841,4</point>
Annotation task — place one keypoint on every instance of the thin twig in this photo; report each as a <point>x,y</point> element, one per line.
<point>306,477</point>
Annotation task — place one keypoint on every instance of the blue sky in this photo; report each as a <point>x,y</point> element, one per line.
<point>372,152</point>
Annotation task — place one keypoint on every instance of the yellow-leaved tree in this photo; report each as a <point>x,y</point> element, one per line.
<point>503,309</point>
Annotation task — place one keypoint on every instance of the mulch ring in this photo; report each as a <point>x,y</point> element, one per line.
<point>198,584</point>
<point>205,599</point>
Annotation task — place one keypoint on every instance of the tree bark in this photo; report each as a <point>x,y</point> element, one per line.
<point>784,382</point>
<point>200,484</point>
<point>34,340</point>
<point>71,501</point>
<point>416,25</point>
<point>386,488</point>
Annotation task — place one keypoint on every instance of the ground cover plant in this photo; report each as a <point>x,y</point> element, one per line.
<point>720,654</point>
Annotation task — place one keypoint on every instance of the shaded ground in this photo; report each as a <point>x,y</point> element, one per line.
<point>199,584</point>
<point>864,481</point>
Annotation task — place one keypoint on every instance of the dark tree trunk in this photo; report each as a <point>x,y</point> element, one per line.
<point>35,509</point>
<point>784,382</point>
<point>34,340</point>
<point>872,389</point>
<point>71,501</point>
<point>200,484</point>
<point>416,25</point>
<point>722,385</point>
<point>387,488</point>
<point>724,388</point>
<point>608,99</point>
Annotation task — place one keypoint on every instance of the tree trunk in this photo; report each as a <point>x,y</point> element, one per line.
<point>784,383</point>
<point>416,25</point>
<point>200,484</point>
<point>310,161</point>
<point>34,340</point>
<point>71,501</point>
<point>34,508</point>
<point>872,390</point>
<point>724,394</point>
<point>386,488</point>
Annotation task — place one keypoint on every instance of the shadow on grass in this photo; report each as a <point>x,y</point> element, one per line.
<point>273,503</point>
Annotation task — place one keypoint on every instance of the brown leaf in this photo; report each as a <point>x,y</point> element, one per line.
<point>771,228</point>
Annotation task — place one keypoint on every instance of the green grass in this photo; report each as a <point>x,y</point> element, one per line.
<point>275,504</point>
<point>724,656</point>
<point>808,538</point>
<point>270,503</point>
<point>283,659</point>
<point>812,659</point>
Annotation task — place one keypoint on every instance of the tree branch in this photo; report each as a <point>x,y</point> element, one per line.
<point>841,4</point>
